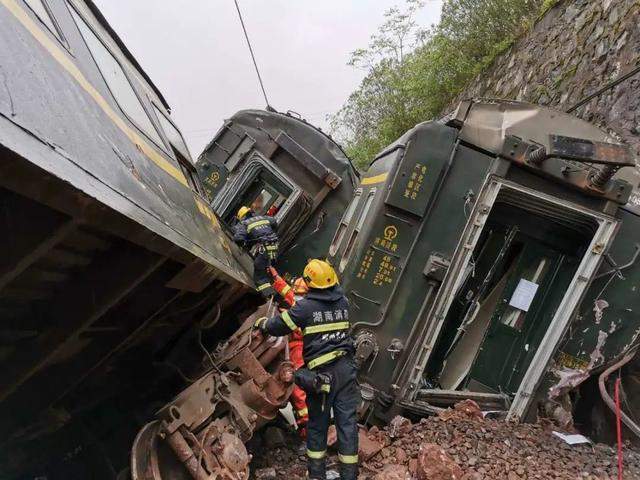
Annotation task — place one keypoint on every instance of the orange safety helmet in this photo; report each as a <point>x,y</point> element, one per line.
<point>300,287</point>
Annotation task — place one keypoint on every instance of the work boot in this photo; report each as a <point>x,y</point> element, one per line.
<point>317,469</point>
<point>348,471</point>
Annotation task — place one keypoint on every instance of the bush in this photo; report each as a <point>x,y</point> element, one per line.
<point>414,73</point>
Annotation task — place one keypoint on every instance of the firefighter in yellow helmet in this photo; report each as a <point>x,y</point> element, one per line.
<point>258,234</point>
<point>329,378</point>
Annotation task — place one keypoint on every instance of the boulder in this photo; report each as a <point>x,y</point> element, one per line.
<point>393,472</point>
<point>367,447</point>
<point>469,408</point>
<point>435,464</point>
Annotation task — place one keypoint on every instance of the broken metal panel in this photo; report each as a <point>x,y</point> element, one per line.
<point>607,323</point>
<point>462,357</point>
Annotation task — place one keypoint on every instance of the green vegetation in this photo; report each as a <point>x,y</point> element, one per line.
<point>546,6</point>
<point>413,73</point>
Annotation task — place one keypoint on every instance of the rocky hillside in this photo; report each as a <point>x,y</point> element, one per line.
<point>573,50</point>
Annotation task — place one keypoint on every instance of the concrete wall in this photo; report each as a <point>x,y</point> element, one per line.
<point>577,47</point>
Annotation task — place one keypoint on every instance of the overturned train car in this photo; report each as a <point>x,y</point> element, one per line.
<point>280,164</point>
<point>493,257</point>
<point>115,269</point>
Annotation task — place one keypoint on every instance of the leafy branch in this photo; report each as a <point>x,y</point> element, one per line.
<point>414,72</point>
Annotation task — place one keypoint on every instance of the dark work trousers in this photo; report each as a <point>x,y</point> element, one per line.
<point>263,258</point>
<point>343,398</point>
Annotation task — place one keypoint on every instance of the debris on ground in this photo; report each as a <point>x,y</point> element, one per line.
<point>273,437</point>
<point>458,444</point>
<point>435,464</point>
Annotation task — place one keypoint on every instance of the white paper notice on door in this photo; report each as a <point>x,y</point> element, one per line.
<point>523,295</point>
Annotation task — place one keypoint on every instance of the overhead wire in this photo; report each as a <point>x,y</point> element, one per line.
<point>608,86</point>
<point>253,57</point>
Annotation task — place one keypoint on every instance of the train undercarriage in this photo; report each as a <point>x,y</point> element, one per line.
<point>200,434</point>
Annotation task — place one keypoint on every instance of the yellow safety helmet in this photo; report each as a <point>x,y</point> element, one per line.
<point>319,274</point>
<point>243,212</point>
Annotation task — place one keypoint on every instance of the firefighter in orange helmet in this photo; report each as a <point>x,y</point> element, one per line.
<point>298,397</point>
<point>290,295</point>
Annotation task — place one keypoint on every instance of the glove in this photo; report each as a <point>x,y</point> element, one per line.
<point>322,383</point>
<point>260,323</point>
<point>312,382</point>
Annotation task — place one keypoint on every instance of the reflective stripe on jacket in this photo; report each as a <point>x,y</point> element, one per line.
<point>256,230</point>
<point>323,317</point>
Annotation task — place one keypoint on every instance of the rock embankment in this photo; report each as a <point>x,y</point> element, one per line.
<point>459,445</point>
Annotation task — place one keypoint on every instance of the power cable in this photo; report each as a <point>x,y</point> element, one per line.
<point>608,86</point>
<point>253,57</point>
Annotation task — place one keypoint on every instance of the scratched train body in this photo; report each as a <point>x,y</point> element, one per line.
<point>114,267</point>
<point>493,255</point>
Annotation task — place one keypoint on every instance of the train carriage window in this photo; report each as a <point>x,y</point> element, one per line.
<point>42,11</point>
<point>173,134</point>
<point>354,235</point>
<point>190,174</point>
<point>117,80</point>
<point>344,223</point>
<point>263,192</point>
<point>179,148</point>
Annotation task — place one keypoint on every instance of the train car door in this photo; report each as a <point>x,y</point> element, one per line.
<point>533,290</point>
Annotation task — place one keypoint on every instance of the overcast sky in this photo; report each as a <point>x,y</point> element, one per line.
<point>195,53</point>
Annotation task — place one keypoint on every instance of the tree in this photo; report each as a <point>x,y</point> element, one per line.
<point>413,73</point>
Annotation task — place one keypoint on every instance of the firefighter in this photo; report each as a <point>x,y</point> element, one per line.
<point>296,344</point>
<point>329,376</point>
<point>290,295</point>
<point>258,235</point>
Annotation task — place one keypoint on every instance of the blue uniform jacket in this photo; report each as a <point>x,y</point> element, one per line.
<point>323,317</point>
<point>254,230</point>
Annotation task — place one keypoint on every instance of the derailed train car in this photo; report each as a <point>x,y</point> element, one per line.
<point>487,257</point>
<point>493,257</point>
<point>279,163</point>
<point>114,267</point>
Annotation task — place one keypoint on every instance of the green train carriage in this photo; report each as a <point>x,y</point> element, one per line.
<point>474,252</point>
